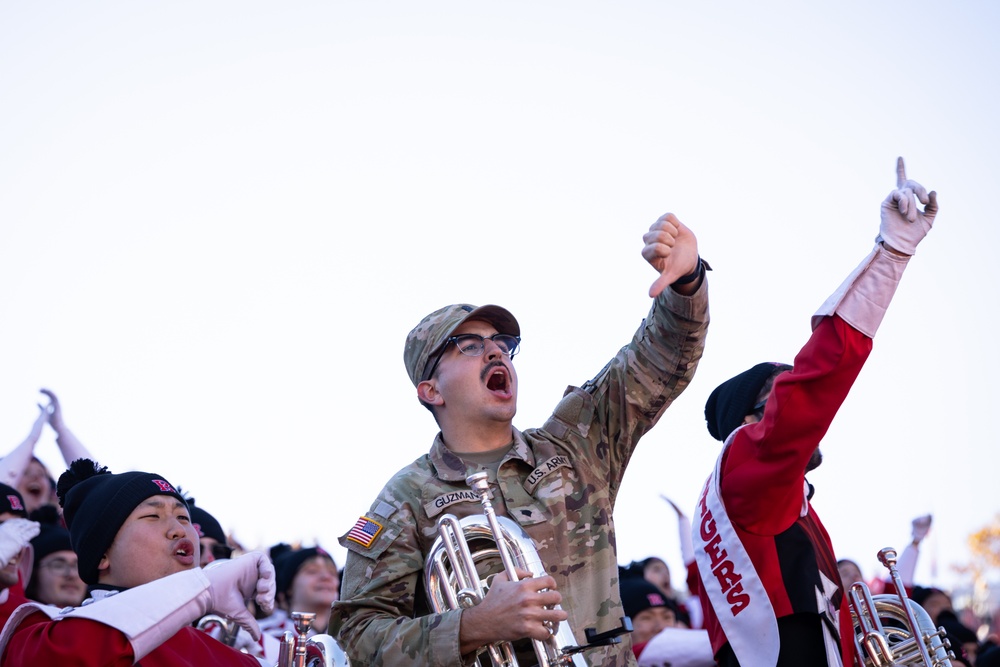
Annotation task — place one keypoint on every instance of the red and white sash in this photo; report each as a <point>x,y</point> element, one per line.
<point>735,590</point>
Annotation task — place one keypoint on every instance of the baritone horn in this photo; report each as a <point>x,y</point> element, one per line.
<point>452,580</point>
<point>298,649</point>
<point>893,630</point>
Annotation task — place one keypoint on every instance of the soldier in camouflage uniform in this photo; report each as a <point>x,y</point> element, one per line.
<point>559,482</point>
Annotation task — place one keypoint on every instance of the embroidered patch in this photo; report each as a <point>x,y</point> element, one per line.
<point>445,500</point>
<point>365,531</point>
<point>544,469</point>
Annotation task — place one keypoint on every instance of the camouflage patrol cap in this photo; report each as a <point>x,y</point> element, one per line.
<point>428,336</point>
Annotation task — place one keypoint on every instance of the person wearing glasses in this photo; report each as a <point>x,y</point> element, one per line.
<point>558,481</point>
<point>770,590</point>
<point>54,577</point>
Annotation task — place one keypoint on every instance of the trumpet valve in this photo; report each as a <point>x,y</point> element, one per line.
<point>467,598</point>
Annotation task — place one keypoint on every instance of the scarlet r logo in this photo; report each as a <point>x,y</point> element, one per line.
<point>15,503</point>
<point>164,485</point>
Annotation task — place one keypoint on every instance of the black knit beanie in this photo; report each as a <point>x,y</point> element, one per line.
<point>96,503</point>
<point>205,523</point>
<point>287,563</point>
<point>11,501</point>
<point>734,399</point>
<point>52,535</point>
<point>638,595</point>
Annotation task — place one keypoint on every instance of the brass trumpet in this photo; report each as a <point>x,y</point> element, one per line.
<point>298,649</point>
<point>452,580</point>
<point>892,630</point>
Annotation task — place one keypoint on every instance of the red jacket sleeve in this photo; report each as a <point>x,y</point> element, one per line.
<point>85,643</point>
<point>764,470</point>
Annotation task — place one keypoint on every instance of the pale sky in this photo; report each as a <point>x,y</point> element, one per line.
<point>218,221</point>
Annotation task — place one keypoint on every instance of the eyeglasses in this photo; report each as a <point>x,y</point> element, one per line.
<point>60,567</point>
<point>219,551</point>
<point>473,345</point>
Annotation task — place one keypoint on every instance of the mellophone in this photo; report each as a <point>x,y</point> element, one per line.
<point>893,630</point>
<point>452,580</point>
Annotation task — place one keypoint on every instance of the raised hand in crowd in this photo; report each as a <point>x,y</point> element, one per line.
<point>672,249</point>
<point>71,447</point>
<point>15,535</point>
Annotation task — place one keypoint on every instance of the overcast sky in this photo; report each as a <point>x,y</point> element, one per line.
<point>218,221</point>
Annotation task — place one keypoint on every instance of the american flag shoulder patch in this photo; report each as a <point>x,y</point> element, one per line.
<point>365,531</point>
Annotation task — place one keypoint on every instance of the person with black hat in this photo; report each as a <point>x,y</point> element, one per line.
<point>16,532</point>
<point>306,579</point>
<point>938,605</point>
<point>657,637</point>
<point>771,591</point>
<point>138,551</point>
<point>55,579</point>
<point>558,482</point>
<point>211,538</point>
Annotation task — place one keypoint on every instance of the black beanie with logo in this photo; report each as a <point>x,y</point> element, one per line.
<point>96,503</point>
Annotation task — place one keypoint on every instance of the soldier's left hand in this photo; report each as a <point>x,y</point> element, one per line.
<point>672,249</point>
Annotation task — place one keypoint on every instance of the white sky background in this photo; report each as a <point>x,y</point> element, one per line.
<point>218,221</point>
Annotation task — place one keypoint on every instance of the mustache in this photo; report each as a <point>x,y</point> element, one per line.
<point>489,369</point>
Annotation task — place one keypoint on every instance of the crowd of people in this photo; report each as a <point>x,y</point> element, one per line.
<point>104,568</point>
<point>100,567</point>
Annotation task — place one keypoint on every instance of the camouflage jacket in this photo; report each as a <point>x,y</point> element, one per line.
<point>559,482</point>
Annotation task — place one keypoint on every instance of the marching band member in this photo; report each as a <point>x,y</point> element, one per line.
<point>658,638</point>
<point>20,467</point>
<point>771,591</point>
<point>138,551</point>
<point>559,482</point>
<point>54,576</point>
<point>16,533</point>
<point>307,580</point>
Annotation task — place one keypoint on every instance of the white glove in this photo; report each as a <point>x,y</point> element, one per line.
<point>233,582</point>
<point>921,525</point>
<point>15,534</point>
<point>904,225</point>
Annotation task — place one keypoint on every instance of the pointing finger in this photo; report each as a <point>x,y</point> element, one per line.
<point>900,172</point>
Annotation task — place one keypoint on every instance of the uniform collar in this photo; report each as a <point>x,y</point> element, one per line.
<point>450,467</point>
